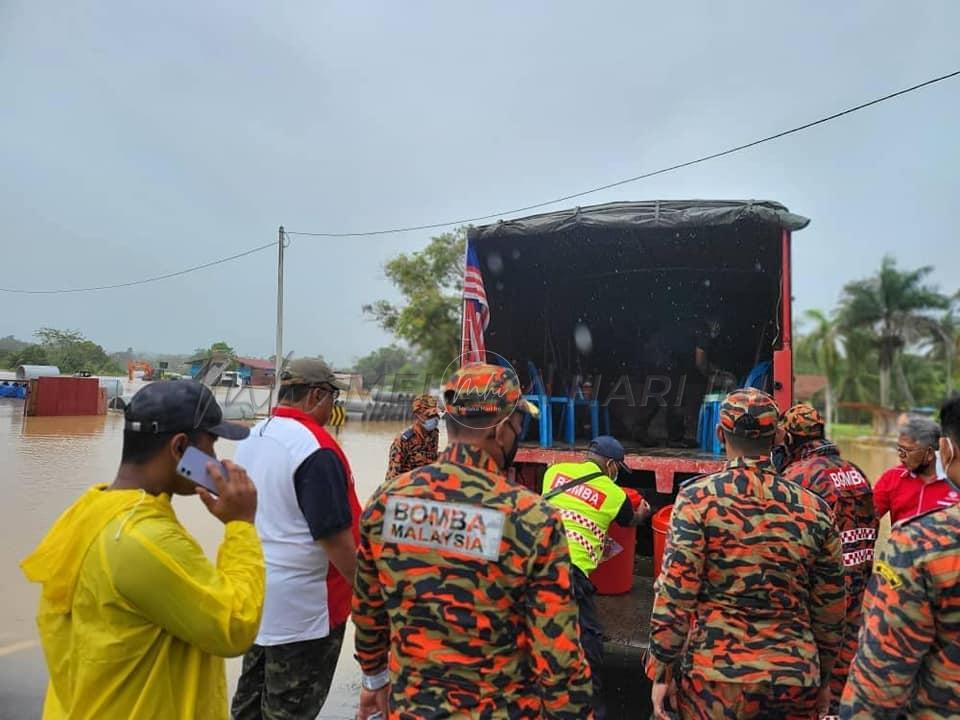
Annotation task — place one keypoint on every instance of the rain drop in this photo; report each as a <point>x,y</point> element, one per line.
<point>495,263</point>
<point>583,339</point>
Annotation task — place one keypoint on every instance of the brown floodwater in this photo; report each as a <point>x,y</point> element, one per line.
<point>47,462</point>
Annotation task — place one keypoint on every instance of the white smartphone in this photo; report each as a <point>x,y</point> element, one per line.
<point>193,466</point>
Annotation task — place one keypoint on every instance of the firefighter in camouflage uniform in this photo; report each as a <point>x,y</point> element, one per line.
<point>417,445</point>
<point>750,597</point>
<point>815,463</point>
<point>462,602</point>
<point>908,660</point>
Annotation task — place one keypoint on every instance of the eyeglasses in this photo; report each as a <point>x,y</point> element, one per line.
<point>334,392</point>
<point>903,452</point>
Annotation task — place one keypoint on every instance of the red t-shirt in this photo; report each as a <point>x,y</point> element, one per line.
<point>904,494</point>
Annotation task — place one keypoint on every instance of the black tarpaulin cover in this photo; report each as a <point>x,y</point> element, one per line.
<point>652,214</point>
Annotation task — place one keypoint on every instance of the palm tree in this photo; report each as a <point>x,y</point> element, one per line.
<point>945,344</point>
<point>859,379</point>
<point>821,344</point>
<point>895,305</point>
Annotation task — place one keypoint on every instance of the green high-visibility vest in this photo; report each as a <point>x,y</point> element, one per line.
<point>587,509</point>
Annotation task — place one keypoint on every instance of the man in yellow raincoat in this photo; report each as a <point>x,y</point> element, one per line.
<point>134,620</point>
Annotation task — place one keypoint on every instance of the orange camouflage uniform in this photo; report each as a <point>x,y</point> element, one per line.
<point>750,597</point>
<point>410,450</point>
<point>415,447</point>
<point>908,661</point>
<point>468,628</point>
<point>819,467</point>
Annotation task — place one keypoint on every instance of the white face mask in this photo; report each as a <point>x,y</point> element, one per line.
<point>949,454</point>
<point>431,424</point>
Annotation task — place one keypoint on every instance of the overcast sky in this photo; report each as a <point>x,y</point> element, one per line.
<point>140,138</point>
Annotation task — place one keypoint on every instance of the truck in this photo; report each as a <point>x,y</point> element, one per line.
<point>632,319</point>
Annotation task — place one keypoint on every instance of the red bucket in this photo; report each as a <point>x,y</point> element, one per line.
<point>614,575</point>
<point>661,524</point>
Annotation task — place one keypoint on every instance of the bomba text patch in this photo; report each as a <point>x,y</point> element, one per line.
<point>444,526</point>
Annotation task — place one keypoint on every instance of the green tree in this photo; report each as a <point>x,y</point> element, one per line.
<point>431,283</point>
<point>382,363</point>
<point>70,351</point>
<point>30,355</point>
<point>894,305</point>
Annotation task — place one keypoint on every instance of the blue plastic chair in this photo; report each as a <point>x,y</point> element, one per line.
<point>758,377</point>
<point>707,424</point>
<point>538,397</point>
<point>577,399</point>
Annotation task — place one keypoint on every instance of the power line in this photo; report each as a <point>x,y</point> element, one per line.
<point>155,278</point>
<point>635,178</point>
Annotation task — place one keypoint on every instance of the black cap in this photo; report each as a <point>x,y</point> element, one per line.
<point>609,447</point>
<point>174,406</point>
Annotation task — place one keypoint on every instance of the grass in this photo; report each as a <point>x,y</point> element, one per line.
<point>847,431</point>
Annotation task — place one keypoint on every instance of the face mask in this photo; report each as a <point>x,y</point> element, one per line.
<point>947,461</point>
<point>511,453</point>
<point>431,424</point>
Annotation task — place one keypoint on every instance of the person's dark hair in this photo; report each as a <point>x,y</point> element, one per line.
<point>459,426</point>
<point>950,418</point>
<point>293,393</point>
<point>749,447</point>
<point>141,447</point>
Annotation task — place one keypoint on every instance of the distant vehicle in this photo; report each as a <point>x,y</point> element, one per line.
<point>141,366</point>
<point>230,378</point>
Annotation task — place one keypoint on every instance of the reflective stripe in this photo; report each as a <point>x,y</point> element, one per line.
<point>576,517</point>
<point>579,539</point>
<point>857,535</point>
<point>574,536</point>
<point>858,557</point>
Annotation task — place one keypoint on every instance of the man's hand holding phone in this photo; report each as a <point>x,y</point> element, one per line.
<point>236,497</point>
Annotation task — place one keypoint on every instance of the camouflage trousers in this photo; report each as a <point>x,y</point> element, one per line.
<point>704,700</point>
<point>287,682</point>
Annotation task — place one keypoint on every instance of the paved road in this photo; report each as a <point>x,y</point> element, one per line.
<point>23,682</point>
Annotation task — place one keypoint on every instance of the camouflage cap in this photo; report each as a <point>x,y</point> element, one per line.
<point>310,371</point>
<point>749,413</point>
<point>480,390</point>
<point>424,406</point>
<point>803,421</point>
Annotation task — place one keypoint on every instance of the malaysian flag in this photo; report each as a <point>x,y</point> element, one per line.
<point>476,312</point>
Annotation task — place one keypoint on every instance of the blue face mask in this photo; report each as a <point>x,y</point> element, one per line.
<point>431,424</point>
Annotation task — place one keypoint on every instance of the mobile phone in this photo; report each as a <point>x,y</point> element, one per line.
<point>193,466</point>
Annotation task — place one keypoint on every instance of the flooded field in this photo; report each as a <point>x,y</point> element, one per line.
<point>48,462</point>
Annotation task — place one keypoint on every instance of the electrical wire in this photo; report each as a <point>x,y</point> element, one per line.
<point>466,221</point>
<point>155,278</point>
<point>635,178</point>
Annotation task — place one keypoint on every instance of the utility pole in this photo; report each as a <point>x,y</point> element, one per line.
<point>278,358</point>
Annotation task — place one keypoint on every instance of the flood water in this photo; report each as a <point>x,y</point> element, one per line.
<point>48,462</point>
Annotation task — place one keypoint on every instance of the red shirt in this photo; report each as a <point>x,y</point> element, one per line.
<point>904,494</point>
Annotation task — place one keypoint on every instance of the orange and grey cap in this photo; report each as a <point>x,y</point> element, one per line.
<point>803,421</point>
<point>481,390</point>
<point>749,413</point>
<point>424,406</point>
